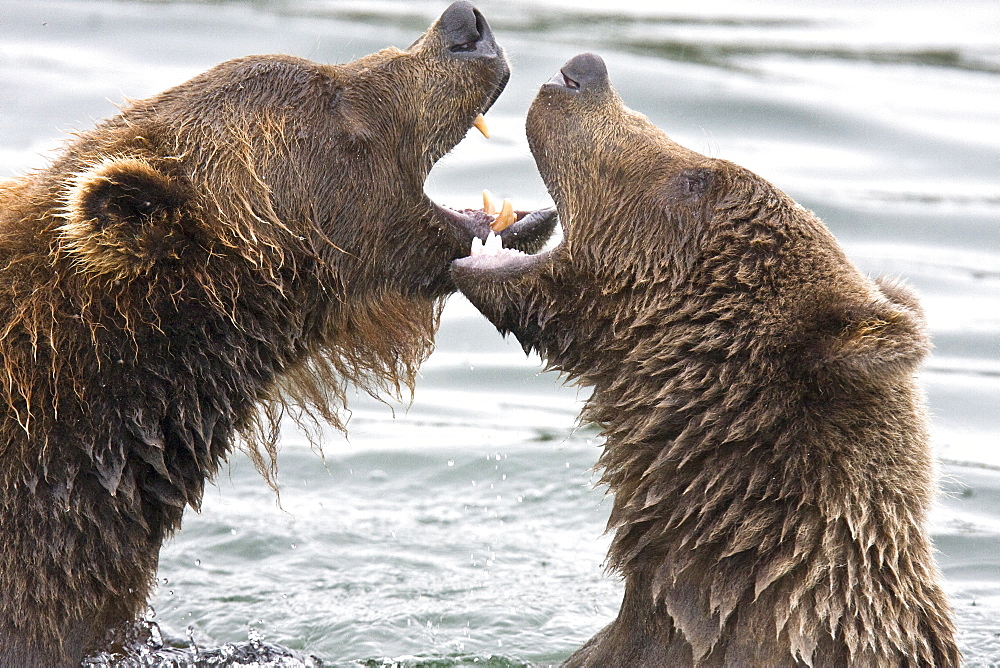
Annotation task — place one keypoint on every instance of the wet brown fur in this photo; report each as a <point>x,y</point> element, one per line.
<point>766,440</point>
<point>237,248</point>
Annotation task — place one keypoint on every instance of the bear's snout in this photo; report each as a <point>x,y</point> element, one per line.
<point>584,72</point>
<point>467,33</point>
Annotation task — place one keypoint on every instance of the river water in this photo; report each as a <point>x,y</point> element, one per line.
<point>463,527</point>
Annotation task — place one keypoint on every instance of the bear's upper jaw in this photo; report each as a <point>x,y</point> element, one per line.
<point>465,35</point>
<point>521,231</point>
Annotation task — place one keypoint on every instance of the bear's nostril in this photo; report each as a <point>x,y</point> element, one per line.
<point>460,25</point>
<point>570,83</point>
<point>464,47</point>
<point>585,71</point>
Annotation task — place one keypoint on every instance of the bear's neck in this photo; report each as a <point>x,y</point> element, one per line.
<point>593,339</point>
<point>740,511</point>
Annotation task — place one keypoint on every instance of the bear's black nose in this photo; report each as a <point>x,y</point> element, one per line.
<point>584,72</point>
<point>466,30</point>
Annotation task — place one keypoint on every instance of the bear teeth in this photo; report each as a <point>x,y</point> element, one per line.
<point>480,124</point>
<point>489,204</point>
<point>504,218</point>
<point>493,246</point>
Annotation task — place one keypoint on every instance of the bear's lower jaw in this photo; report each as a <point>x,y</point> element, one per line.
<point>490,261</point>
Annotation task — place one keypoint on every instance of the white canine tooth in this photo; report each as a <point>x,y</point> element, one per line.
<point>493,245</point>
<point>477,246</point>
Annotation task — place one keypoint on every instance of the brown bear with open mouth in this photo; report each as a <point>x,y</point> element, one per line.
<point>767,442</point>
<point>252,240</point>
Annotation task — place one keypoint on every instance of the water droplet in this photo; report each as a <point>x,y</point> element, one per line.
<point>451,462</point>
<point>197,562</point>
<point>293,546</point>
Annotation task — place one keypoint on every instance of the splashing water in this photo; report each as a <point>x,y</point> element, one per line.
<point>143,645</point>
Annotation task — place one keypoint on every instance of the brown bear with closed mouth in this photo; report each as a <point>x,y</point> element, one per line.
<point>252,240</point>
<point>766,442</point>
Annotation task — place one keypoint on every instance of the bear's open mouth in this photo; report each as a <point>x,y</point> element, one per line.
<point>491,226</point>
<point>522,231</point>
<point>489,256</point>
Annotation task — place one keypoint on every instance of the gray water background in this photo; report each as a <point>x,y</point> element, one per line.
<point>464,528</point>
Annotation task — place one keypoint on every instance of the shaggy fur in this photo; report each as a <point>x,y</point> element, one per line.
<point>767,442</point>
<point>246,243</point>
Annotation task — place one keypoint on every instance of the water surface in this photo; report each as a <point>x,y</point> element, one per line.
<point>464,528</point>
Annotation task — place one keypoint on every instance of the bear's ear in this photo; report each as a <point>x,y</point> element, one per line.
<point>884,336</point>
<point>118,213</point>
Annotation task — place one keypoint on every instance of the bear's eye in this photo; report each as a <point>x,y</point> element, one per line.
<point>334,100</point>
<point>696,181</point>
